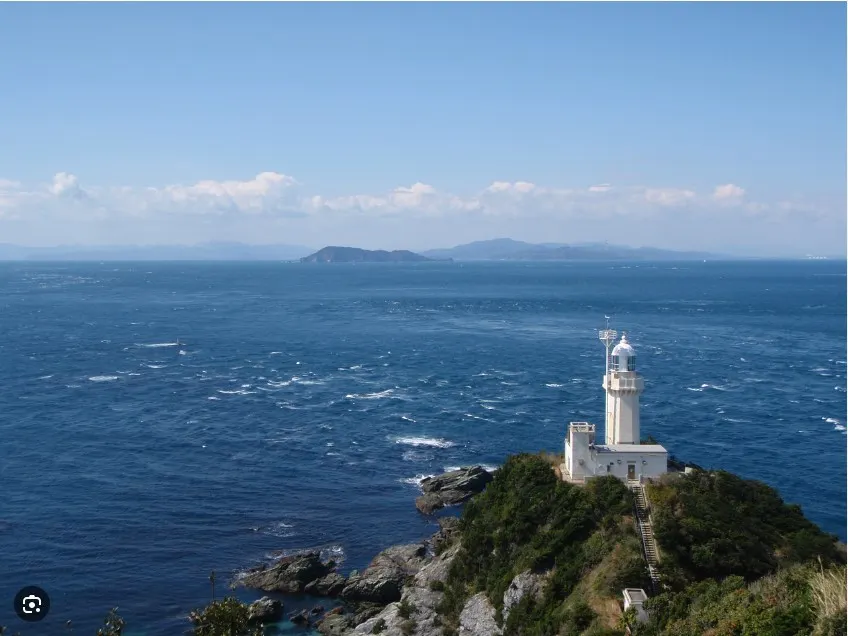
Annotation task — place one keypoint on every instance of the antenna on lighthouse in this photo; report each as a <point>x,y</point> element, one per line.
<point>607,336</point>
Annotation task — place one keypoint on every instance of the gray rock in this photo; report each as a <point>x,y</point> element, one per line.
<point>418,593</point>
<point>335,624</point>
<point>300,618</point>
<point>447,534</point>
<point>289,574</point>
<point>265,610</point>
<point>525,583</point>
<point>383,580</point>
<point>329,585</point>
<point>452,488</point>
<point>478,617</point>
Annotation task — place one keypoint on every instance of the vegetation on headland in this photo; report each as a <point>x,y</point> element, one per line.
<point>735,560</point>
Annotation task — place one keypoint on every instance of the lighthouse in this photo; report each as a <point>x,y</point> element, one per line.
<point>622,454</point>
<point>623,386</point>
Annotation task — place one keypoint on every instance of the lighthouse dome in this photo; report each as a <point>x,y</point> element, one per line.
<point>623,356</point>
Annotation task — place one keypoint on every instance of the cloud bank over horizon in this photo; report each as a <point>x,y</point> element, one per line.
<point>272,207</point>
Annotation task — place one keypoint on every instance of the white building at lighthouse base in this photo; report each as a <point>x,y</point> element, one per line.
<point>629,462</point>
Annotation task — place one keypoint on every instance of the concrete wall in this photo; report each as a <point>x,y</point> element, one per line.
<point>656,463</point>
<point>576,450</point>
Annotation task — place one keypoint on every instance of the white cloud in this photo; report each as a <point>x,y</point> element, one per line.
<point>260,207</point>
<point>668,197</point>
<point>65,184</point>
<point>517,187</point>
<point>728,192</point>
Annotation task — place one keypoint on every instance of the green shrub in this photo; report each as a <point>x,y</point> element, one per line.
<point>437,586</point>
<point>379,626</point>
<point>715,524</point>
<point>405,609</point>
<point>113,624</point>
<point>227,617</point>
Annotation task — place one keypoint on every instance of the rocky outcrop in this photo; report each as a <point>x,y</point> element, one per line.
<point>415,614</point>
<point>265,610</point>
<point>478,617</point>
<point>383,579</point>
<point>289,574</point>
<point>330,585</point>
<point>300,618</point>
<point>335,623</point>
<point>451,488</point>
<point>525,583</point>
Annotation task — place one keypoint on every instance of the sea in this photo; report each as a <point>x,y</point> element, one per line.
<point>163,421</point>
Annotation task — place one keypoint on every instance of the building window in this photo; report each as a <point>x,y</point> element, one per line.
<point>631,363</point>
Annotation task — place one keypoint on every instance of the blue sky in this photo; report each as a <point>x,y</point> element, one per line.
<point>697,125</point>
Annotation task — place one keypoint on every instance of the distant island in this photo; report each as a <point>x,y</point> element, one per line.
<point>332,254</point>
<point>505,249</point>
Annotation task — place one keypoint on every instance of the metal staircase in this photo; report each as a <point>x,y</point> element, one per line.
<point>646,531</point>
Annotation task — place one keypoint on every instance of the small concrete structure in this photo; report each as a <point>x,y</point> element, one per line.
<point>635,597</point>
<point>622,455</point>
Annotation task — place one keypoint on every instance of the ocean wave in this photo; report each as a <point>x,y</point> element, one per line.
<point>103,378</point>
<point>414,481</point>
<point>155,366</point>
<point>388,393</point>
<point>158,345</point>
<point>236,392</point>
<point>279,529</point>
<point>704,387</point>
<point>183,352</point>
<point>407,418</point>
<point>429,442</point>
<point>417,456</point>
<point>554,385</point>
<point>45,377</point>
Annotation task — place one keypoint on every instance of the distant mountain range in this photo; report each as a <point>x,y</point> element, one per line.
<point>333,254</point>
<point>510,250</point>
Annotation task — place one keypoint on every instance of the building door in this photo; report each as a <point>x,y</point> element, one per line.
<point>631,471</point>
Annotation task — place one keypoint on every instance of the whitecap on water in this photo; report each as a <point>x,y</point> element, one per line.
<point>371,396</point>
<point>554,385</point>
<point>103,378</point>
<point>157,345</point>
<point>414,481</point>
<point>155,366</point>
<point>417,456</point>
<point>430,442</point>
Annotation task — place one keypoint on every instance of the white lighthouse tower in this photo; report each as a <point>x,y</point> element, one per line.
<point>622,385</point>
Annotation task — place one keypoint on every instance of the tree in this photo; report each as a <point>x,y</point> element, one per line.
<point>113,624</point>
<point>227,617</point>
